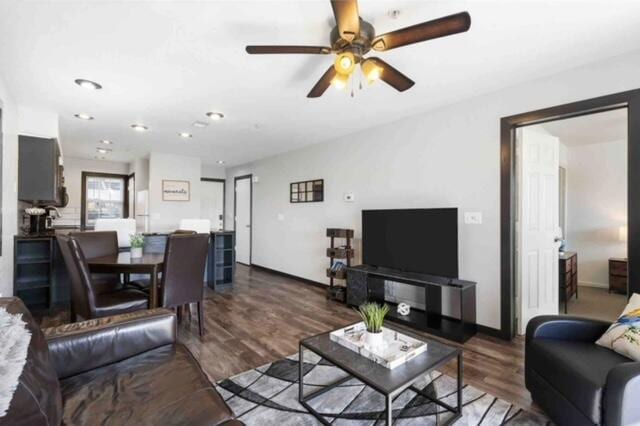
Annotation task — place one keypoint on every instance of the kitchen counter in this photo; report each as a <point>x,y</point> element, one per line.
<point>50,233</point>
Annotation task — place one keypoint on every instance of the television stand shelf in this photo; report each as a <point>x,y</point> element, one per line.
<point>450,304</point>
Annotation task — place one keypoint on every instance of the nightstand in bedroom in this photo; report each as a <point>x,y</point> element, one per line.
<point>618,274</point>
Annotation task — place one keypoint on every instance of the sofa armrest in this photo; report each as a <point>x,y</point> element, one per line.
<point>83,346</point>
<point>561,327</point>
<point>621,395</point>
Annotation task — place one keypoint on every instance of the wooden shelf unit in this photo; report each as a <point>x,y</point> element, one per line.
<point>344,252</point>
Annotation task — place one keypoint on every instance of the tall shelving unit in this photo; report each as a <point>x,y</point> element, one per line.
<point>339,253</point>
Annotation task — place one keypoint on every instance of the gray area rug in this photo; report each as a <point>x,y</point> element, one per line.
<point>268,395</point>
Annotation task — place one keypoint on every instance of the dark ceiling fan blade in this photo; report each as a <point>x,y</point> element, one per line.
<point>317,50</point>
<point>322,84</point>
<point>448,25</point>
<point>392,76</point>
<point>347,18</point>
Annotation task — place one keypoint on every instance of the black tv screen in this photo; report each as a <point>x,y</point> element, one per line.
<point>412,240</point>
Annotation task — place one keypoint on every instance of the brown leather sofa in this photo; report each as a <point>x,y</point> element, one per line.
<point>122,370</point>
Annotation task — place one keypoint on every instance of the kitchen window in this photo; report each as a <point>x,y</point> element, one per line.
<point>104,196</point>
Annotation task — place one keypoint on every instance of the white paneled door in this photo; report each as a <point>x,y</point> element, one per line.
<point>243,220</point>
<point>537,224</point>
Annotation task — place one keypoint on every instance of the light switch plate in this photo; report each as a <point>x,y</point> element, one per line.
<point>473,218</point>
<point>349,197</point>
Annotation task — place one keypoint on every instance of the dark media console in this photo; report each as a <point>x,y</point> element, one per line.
<point>450,304</point>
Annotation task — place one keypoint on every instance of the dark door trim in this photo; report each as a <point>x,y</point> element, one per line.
<point>135,193</point>
<point>235,204</point>
<point>508,125</point>
<point>224,196</point>
<point>83,195</point>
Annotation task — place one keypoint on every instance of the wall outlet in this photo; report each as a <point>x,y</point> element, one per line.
<point>349,197</point>
<point>473,218</point>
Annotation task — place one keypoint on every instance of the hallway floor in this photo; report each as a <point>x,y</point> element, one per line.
<point>598,303</point>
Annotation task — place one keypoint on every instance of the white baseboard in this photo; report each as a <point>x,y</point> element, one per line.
<point>590,284</point>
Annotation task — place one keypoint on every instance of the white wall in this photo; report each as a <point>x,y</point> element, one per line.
<point>73,168</point>
<point>596,207</point>
<point>37,122</point>
<point>446,157</point>
<point>140,167</point>
<point>213,171</point>
<point>9,186</point>
<point>165,215</point>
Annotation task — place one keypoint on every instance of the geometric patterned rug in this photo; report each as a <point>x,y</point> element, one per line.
<point>268,395</point>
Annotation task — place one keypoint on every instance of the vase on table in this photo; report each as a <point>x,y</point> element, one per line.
<point>373,341</point>
<point>136,251</point>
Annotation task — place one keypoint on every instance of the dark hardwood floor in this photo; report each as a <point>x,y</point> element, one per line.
<point>265,315</point>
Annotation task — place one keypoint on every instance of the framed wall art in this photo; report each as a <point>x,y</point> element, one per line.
<point>309,191</point>
<point>176,190</point>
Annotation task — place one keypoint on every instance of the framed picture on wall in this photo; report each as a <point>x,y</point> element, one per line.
<point>176,190</point>
<point>310,191</point>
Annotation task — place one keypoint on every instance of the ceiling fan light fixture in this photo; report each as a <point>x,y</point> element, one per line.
<point>372,72</point>
<point>345,63</point>
<point>340,81</point>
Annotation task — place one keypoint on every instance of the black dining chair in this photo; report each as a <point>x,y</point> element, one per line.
<point>86,301</point>
<point>98,244</point>
<point>183,273</point>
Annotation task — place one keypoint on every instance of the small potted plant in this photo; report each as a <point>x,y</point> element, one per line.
<point>373,317</point>
<point>137,243</point>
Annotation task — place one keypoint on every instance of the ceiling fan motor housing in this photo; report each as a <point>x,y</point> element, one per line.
<point>359,46</point>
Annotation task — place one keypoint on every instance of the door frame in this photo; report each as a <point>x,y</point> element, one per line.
<point>235,206</point>
<point>132,176</point>
<point>630,100</point>
<point>224,196</point>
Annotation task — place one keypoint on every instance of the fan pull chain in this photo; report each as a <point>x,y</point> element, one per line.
<point>353,83</point>
<point>360,79</point>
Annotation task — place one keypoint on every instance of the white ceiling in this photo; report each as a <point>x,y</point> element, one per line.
<point>610,126</point>
<point>167,63</point>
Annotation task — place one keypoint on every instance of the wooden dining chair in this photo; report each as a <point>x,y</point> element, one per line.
<point>183,273</point>
<point>86,301</point>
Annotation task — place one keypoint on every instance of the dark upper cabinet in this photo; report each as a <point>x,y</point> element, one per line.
<point>39,173</point>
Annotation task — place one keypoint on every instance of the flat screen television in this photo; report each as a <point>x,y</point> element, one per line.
<point>412,240</point>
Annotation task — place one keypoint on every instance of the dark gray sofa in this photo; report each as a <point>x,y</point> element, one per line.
<point>575,381</point>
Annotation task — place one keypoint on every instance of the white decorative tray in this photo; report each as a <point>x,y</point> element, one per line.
<point>396,350</point>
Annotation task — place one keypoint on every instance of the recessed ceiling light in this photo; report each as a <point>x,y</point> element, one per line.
<point>215,116</point>
<point>139,127</point>
<point>88,84</point>
<point>106,142</point>
<point>83,116</point>
<point>185,135</point>
<point>200,124</point>
<point>103,150</point>
<point>220,162</point>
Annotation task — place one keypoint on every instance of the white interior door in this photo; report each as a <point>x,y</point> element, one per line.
<point>537,224</point>
<point>212,202</point>
<point>243,220</point>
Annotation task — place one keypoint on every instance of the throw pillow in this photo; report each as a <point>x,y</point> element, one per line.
<point>13,355</point>
<point>624,335</point>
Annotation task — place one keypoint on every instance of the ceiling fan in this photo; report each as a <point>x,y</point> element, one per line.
<point>353,37</point>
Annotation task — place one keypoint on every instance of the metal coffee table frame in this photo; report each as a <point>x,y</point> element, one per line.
<point>390,396</point>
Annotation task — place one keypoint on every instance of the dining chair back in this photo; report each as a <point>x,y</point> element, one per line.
<point>98,244</point>
<point>82,294</point>
<point>182,277</point>
<point>86,301</point>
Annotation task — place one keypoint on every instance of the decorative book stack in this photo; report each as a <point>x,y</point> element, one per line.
<point>339,259</point>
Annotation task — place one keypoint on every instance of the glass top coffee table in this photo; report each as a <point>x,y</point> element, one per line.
<point>390,383</point>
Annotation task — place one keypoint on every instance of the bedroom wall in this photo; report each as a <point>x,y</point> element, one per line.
<point>446,157</point>
<point>596,207</point>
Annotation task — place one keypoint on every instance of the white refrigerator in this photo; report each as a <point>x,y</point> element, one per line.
<point>142,211</point>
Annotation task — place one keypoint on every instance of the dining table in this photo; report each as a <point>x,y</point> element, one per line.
<point>123,263</point>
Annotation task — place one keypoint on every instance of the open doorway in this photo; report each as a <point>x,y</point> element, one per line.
<point>571,216</point>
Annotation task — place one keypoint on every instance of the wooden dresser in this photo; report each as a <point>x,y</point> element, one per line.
<point>618,275</point>
<point>568,276</point>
